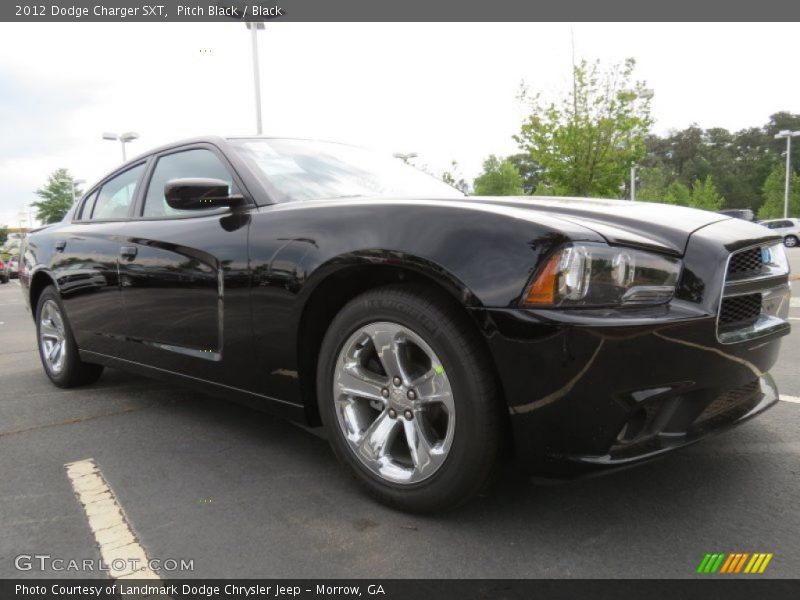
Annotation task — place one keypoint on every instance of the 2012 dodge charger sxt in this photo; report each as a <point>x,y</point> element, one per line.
<point>425,330</point>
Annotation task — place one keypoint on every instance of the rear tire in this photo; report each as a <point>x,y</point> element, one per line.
<point>790,241</point>
<point>427,432</point>
<point>57,349</point>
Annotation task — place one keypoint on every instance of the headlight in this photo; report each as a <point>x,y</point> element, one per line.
<point>594,275</point>
<point>775,259</point>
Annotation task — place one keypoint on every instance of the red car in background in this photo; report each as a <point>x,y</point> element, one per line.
<point>5,271</point>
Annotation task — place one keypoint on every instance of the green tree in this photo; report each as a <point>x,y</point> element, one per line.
<point>56,197</point>
<point>739,162</point>
<point>705,195</point>
<point>499,178</point>
<point>652,184</point>
<point>587,142</point>
<point>529,170</point>
<point>544,189</point>
<point>677,193</point>
<point>774,194</point>
<point>3,234</point>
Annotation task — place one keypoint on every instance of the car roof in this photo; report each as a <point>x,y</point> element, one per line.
<point>218,140</point>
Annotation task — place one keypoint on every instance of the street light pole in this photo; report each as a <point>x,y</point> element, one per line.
<point>788,135</point>
<point>76,182</point>
<point>405,157</point>
<point>254,27</point>
<point>123,139</point>
<point>641,94</point>
<point>72,183</point>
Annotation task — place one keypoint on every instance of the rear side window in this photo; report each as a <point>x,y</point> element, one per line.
<point>198,163</point>
<point>117,195</point>
<point>87,206</point>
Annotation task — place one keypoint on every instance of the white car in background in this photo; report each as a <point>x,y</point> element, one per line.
<point>13,267</point>
<point>788,228</point>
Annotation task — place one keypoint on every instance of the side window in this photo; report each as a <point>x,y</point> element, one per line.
<point>116,195</point>
<point>86,208</point>
<point>199,163</point>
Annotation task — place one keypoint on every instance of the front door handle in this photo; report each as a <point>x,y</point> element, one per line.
<point>128,252</point>
<point>60,245</point>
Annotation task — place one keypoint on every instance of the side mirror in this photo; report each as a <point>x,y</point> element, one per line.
<point>199,194</point>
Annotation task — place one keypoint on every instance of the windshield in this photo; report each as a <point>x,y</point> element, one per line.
<point>312,170</point>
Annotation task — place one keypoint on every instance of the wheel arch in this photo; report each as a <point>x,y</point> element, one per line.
<point>38,282</point>
<point>341,280</point>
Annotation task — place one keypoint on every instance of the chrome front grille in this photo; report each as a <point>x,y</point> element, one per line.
<point>746,263</point>
<point>754,298</point>
<point>739,311</point>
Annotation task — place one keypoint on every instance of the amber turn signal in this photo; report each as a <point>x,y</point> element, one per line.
<point>542,290</point>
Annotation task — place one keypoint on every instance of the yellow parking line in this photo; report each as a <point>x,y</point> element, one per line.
<point>121,551</point>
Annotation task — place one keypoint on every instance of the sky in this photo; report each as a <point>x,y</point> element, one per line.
<point>446,91</point>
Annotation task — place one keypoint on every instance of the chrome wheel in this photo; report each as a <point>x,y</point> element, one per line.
<point>790,241</point>
<point>52,337</point>
<point>393,402</point>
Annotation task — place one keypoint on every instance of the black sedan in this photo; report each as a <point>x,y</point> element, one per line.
<point>432,335</point>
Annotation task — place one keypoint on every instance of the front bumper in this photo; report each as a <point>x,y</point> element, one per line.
<point>596,391</point>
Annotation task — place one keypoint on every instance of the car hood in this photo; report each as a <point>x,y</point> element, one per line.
<point>662,227</point>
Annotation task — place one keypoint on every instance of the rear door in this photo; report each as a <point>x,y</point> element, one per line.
<point>184,276</point>
<point>85,263</point>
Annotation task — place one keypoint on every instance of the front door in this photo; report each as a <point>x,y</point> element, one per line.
<point>185,280</point>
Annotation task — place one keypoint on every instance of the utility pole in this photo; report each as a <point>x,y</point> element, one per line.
<point>788,135</point>
<point>254,27</point>
<point>123,139</point>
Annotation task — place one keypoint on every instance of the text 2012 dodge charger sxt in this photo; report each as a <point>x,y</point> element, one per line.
<point>425,330</point>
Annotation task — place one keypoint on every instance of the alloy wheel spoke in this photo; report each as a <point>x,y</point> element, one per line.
<point>385,339</point>
<point>418,445</point>
<point>49,330</point>
<point>353,380</point>
<point>376,439</point>
<point>58,323</point>
<point>433,386</point>
<point>54,351</point>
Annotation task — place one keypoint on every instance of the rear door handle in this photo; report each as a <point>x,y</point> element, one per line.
<point>128,252</point>
<point>60,245</point>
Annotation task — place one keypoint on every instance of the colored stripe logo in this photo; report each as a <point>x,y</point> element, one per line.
<point>733,563</point>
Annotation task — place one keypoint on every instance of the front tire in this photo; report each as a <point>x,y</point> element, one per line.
<point>57,349</point>
<point>790,241</point>
<point>409,400</point>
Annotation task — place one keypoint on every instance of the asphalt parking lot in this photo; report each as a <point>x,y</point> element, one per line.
<point>243,494</point>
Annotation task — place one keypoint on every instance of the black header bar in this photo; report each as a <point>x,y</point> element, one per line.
<point>711,588</point>
<point>188,11</point>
